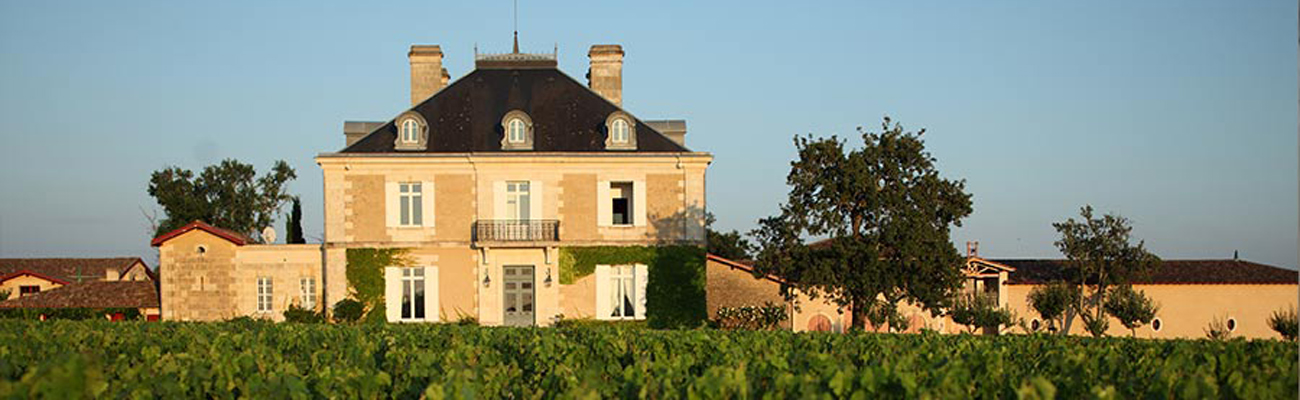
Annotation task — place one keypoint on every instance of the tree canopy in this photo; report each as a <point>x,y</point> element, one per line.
<point>888,214</point>
<point>229,195</point>
<point>1099,254</point>
<point>730,245</point>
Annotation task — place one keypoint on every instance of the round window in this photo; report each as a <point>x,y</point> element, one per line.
<point>1156,324</point>
<point>1035,325</point>
<point>202,249</point>
<point>1232,324</point>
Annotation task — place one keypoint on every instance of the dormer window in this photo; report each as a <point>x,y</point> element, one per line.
<point>412,131</point>
<point>516,131</point>
<point>620,132</point>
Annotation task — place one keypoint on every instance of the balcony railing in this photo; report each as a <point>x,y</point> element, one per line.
<point>508,230</point>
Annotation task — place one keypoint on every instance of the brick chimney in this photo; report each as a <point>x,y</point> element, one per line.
<point>427,74</point>
<point>606,73</point>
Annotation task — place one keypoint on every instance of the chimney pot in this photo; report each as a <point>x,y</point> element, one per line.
<point>606,73</point>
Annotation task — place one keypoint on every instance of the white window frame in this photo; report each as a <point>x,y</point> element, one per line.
<point>265,294</point>
<point>411,199</point>
<point>629,217</point>
<point>410,131</point>
<point>413,279</point>
<point>308,286</point>
<point>519,200</point>
<point>620,131</point>
<point>517,132</point>
<point>615,285</point>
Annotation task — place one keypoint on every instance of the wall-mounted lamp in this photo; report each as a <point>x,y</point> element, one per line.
<point>548,278</point>
<point>487,280</point>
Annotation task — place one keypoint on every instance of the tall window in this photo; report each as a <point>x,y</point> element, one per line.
<point>622,281</point>
<point>308,293</point>
<point>413,293</point>
<point>517,134</point>
<point>620,194</point>
<point>264,294</point>
<point>518,201</point>
<point>412,203</point>
<point>28,290</point>
<point>410,131</point>
<point>619,135</point>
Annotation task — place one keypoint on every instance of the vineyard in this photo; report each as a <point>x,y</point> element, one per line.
<point>69,359</point>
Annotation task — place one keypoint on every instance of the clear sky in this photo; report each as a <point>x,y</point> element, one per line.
<point>1180,115</point>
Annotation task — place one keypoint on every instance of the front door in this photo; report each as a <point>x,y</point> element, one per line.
<point>519,295</point>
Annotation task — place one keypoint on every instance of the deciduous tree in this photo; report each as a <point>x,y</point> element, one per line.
<point>888,212</point>
<point>1131,307</point>
<point>1099,254</point>
<point>229,195</point>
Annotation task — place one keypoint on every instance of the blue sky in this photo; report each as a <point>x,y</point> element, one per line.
<point>1180,115</point>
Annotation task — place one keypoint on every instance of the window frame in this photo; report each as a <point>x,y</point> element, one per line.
<point>407,139</point>
<point>627,189</point>
<point>307,285</point>
<point>28,290</point>
<point>265,294</point>
<point>622,280</point>
<point>508,123</point>
<point>414,287</point>
<point>522,210</point>
<point>410,131</point>
<point>410,199</point>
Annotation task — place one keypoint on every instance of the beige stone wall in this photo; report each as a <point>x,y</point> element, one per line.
<point>578,200</point>
<point>221,282</point>
<point>457,267</point>
<point>547,297</point>
<point>1186,310</point>
<point>578,300</point>
<point>466,189</point>
<point>12,285</point>
<point>286,265</point>
<point>198,286</point>
<point>727,286</point>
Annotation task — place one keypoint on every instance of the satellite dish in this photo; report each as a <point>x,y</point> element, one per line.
<point>268,235</point>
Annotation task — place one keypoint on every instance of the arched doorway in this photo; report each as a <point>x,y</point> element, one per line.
<point>819,323</point>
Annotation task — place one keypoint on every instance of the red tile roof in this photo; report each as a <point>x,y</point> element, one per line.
<point>1168,272</point>
<point>234,237</point>
<point>66,270</point>
<point>105,294</point>
<point>744,265</point>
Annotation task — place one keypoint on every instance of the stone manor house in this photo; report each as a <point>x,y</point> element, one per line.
<point>517,195</point>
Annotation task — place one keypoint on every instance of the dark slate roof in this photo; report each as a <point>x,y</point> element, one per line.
<point>105,294</point>
<point>1168,272</point>
<point>66,269</point>
<point>466,116</point>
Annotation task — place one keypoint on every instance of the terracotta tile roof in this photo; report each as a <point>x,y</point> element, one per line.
<point>67,269</point>
<point>106,294</point>
<point>466,115</point>
<point>234,237</point>
<point>1168,272</point>
<point>744,265</point>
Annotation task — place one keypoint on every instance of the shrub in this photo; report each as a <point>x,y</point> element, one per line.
<point>1095,326</point>
<point>348,310</point>
<point>977,310</point>
<point>766,317</point>
<point>1285,323</point>
<point>1052,301</point>
<point>303,315</point>
<point>1132,307</point>
<point>1218,329</point>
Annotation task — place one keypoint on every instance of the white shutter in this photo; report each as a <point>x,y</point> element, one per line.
<point>431,311</point>
<point>535,199</point>
<point>393,293</point>
<point>602,292</point>
<point>499,200</point>
<point>640,279</point>
<point>426,196</point>
<point>603,206</point>
<point>638,202</point>
<point>393,205</point>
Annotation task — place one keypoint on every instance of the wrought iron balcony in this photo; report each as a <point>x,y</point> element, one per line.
<point>515,230</point>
